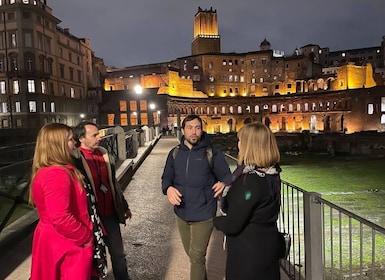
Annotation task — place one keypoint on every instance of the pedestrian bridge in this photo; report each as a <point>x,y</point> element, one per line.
<point>328,241</point>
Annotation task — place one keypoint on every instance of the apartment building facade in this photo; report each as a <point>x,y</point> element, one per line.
<point>46,73</point>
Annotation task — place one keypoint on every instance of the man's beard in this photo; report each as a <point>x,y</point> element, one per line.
<point>194,142</point>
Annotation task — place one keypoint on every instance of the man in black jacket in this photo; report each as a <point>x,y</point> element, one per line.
<point>192,184</point>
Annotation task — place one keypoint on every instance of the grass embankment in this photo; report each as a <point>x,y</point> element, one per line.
<point>354,183</point>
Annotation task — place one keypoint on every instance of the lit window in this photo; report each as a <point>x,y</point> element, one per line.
<point>370,109</point>
<point>32,106</point>
<point>31,86</point>
<point>16,87</point>
<point>17,106</point>
<point>43,87</point>
<point>2,87</point>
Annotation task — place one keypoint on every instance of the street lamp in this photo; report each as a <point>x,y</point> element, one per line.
<point>139,90</point>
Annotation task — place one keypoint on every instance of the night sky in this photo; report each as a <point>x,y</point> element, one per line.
<point>135,32</point>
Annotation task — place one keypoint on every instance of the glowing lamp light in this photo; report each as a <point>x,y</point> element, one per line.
<point>138,89</point>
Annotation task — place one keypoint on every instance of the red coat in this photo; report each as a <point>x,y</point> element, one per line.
<point>64,227</point>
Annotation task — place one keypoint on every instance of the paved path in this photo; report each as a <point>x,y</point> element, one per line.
<point>154,249</point>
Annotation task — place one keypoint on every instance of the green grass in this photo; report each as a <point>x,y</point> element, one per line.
<point>321,173</point>
<point>354,183</point>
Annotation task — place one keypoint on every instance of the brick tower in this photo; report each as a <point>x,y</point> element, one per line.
<point>206,38</point>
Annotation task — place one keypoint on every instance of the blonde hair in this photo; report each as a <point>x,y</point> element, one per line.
<point>258,146</point>
<point>52,149</point>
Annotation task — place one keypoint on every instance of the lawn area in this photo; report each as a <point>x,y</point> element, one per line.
<point>354,183</point>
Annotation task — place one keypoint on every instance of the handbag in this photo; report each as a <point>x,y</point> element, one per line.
<point>284,239</point>
<point>285,244</point>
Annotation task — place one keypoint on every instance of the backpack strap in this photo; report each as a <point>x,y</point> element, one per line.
<point>175,152</point>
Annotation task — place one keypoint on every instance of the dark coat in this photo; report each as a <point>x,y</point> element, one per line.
<point>253,203</point>
<point>191,174</point>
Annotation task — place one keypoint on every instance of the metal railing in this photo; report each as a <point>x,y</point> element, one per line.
<point>328,241</point>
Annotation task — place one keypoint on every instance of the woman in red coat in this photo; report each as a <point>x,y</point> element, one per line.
<point>64,237</point>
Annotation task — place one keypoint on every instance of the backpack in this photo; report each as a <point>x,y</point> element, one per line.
<point>209,154</point>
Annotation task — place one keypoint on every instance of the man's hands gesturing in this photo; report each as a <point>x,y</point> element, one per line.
<point>174,196</point>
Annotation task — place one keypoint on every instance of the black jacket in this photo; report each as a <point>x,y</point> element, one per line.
<point>191,174</point>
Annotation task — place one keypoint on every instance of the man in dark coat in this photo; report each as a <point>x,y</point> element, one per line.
<point>193,181</point>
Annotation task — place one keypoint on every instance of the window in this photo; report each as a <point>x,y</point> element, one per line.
<point>43,87</point>
<point>52,107</point>
<point>252,62</point>
<point>17,106</point>
<point>63,90</point>
<point>28,39</point>
<point>61,66</point>
<point>2,87</point>
<point>79,76</point>
<point>370,109</point>
<point>13,40</point>
<point>72,91</point>
<point>4,107</point>
<point>211,65</point>
<point>14,65</point>
<point>29,65</point>
<point>31,86</point>
<point>382,104</point>
<point>32,106</point>
<point>50,66</point>
<point>224,62</point>
<point>71,74</point>
<point>16,87</point>
<point>43,105</point>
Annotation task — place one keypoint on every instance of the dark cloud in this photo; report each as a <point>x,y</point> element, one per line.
<point>126,33</point>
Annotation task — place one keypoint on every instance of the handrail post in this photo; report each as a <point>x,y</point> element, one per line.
<point>121,142</point>
<point>313,225</point>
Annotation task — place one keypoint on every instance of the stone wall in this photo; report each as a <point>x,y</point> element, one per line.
<point>366,143</point>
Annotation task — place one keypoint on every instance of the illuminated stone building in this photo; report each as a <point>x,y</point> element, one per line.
<point>308,90</point>
<point>46,73</point>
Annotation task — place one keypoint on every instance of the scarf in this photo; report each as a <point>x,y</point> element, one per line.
<point>246,169</point>
<point>100,259</point>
